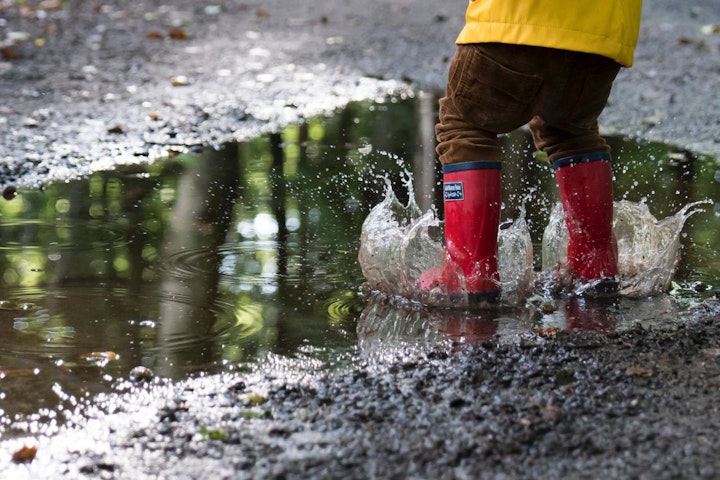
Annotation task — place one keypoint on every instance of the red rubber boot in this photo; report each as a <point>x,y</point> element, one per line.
<point>586,193</point>
<point>472,198</point>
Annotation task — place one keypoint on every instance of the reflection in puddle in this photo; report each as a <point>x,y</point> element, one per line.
<point>249,251</point>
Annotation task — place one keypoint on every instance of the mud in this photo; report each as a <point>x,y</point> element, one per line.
<point>115,82</point>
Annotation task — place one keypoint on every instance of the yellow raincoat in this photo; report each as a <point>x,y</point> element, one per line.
<point>604,27</point>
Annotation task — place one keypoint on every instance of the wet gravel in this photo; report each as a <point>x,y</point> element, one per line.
<point>636,404</point>
<point>99,87</point>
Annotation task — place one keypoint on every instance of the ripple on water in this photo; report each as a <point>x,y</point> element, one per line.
<point>61,235</point>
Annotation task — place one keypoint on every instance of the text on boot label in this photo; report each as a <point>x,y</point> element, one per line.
<point>453,191</point>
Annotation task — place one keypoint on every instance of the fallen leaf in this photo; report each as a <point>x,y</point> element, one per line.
<point>9,53</point>
<point>260,13</point>
<point>26,454</point>
<point>116,129</point>
<point>100,358</point>
<point>637,371</point>
<point>546,332</point>
<point>178,34</point>
<point>21,372</point>
<point>154,35</point>
<point>50,5</point>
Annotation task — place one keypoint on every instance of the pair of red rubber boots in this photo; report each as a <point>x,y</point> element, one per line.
<point>472,200</point>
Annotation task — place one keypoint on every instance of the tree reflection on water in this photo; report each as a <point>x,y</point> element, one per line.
<point>206,260</point>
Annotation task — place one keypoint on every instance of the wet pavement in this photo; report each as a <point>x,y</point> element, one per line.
<point>94,84</point>
<point>114,84</point>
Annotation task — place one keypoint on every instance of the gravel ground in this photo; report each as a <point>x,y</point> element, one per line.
<point>118,82</point>
<point>103,83</point>
<point>639,404</point>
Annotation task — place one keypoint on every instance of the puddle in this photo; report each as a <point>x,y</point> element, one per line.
<point>205,262</point>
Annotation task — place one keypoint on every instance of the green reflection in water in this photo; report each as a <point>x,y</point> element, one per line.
<point>206,260</point>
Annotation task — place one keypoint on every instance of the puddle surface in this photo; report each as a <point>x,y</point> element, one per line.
<point>210,260</point>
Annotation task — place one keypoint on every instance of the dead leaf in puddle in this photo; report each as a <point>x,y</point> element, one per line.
<point>637,371</point>
<point>546,332</point>
<point>101,358</point>
<point>20,372</point>
<point>25,454</point>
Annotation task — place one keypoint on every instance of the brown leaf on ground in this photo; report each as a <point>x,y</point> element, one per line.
<point>24,455</point>
<point>154,35</point>
<point>9,53</point>
<point>178,34</point>
<point>637,371</point>
<point>546,332</point>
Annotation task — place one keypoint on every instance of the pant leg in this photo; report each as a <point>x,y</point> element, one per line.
<point>495,88</point>
<point>572,99</point>
<point>484,98</point>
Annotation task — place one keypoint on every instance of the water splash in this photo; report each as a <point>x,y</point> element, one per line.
<point>399,242</point>
<point>648,249</point>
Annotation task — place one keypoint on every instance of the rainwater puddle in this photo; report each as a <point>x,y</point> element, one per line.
<point>249,252</point>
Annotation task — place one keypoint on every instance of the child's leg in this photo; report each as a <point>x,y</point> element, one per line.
<point>566,128</point>
<point>484,98</point>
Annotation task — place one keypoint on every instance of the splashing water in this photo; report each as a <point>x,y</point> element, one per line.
<point>648,249</point>
<point>399,242</point>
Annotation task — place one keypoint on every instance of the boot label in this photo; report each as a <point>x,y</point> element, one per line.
<point>453,191</point>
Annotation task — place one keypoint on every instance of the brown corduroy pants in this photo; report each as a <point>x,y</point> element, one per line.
<point>495,88</point>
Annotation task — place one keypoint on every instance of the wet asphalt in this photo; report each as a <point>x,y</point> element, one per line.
<point>115,83</point>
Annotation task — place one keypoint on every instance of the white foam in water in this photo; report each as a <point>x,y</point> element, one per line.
<point>648,249</point>
<point>398,243</point>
